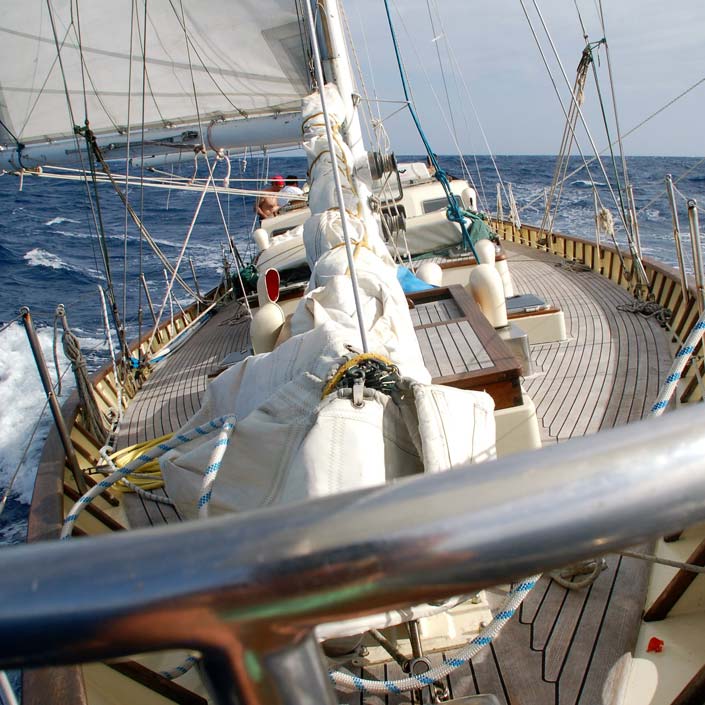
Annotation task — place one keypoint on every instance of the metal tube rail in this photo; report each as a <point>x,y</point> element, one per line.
<point>64,435</point>
<point>677,235</point>
<point>697,252</point>
<point>245,587</point>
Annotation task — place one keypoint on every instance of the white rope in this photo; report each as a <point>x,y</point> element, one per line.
<point>163,183</point>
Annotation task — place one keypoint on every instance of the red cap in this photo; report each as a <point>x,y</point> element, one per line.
<point>278,180</point>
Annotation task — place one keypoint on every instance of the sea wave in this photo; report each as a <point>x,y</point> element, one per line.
<point>586,183</point>
<point>19,381</point>
<point>38,257</point>
<point>60,219</point>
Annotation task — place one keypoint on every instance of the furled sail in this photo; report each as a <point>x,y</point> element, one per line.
<point>203,63</point>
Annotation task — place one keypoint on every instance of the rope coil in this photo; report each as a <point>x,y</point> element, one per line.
<point>378,372</point>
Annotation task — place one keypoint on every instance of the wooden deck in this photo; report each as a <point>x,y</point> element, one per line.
<point>560,648</point>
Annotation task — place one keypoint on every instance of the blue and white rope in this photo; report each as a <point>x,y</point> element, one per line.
<point>211,472</point>
<point>679,363</point>
<point>184,667</point>
<point>514,598</point>
<point>153,454</point>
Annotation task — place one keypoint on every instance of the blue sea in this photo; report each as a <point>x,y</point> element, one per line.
<point>49,254</point>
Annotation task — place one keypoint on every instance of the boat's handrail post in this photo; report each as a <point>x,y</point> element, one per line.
<point>195,281</point>
<point>693,221</point>
<point>677,235</point>
<point>53,401</point>
<point>598,242</point>
<point>633,218</point>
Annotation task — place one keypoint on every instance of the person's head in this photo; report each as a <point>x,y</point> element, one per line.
<point>278,182</point>
<point>292,180</point>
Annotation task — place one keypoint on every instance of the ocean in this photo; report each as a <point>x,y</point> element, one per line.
<point>49,254</point>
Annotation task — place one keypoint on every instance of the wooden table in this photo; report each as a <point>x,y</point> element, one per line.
<point>461,349</point>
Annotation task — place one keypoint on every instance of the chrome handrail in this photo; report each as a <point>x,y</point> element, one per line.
<point>248,589</point>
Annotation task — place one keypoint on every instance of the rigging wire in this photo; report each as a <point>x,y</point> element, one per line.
<point>453,212</point>
<point>94,211</point>
<point>179,259</point>
<point>133,12</point>
<point>140,310</point>
<point>637,265</point>
<point>565,113</point>
<point>458,72</point>
<point>629,132</point>
<point>436,42</point>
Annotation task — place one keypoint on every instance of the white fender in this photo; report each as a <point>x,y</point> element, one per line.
<point>486,251</point>
<point>267,322</point>
<point>261,238</point>
<point>431,273</point>
<point>468,198</point>
<point>486,288</point>
<point>503,268</point>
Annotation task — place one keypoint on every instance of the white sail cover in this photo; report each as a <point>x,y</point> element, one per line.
<point>242,59</point>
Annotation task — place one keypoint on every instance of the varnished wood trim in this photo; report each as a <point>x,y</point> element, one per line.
<point>103,517</point>
<point>694,691</point>
<point>157,683</point>
<point>674,590</point>
<point>58,686</point>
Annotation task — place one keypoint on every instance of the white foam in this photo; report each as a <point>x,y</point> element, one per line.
<point>58,220</point>
<point>21,389</point>
<point>38,257</point>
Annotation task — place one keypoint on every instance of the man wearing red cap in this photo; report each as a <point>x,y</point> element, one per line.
<point>266,205</point>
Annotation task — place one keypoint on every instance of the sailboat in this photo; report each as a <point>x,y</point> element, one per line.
<point>379,466</point>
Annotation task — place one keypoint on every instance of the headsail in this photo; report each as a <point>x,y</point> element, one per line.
<point>219,61</point>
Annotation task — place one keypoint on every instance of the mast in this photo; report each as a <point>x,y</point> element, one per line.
<point>338,70</point>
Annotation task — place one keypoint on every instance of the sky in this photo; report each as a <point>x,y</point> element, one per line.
<point>493,68</point>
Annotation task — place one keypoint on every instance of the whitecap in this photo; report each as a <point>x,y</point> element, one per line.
<point>38,257</point>
<point>19,381</point>
<point>59,219</point>
<point>586,183</point>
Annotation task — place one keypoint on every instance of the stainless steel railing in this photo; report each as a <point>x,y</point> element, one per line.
<point>247,590</point>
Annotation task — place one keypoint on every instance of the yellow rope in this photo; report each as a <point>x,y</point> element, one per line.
<point>333,382</point>
<point>127,455</point>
